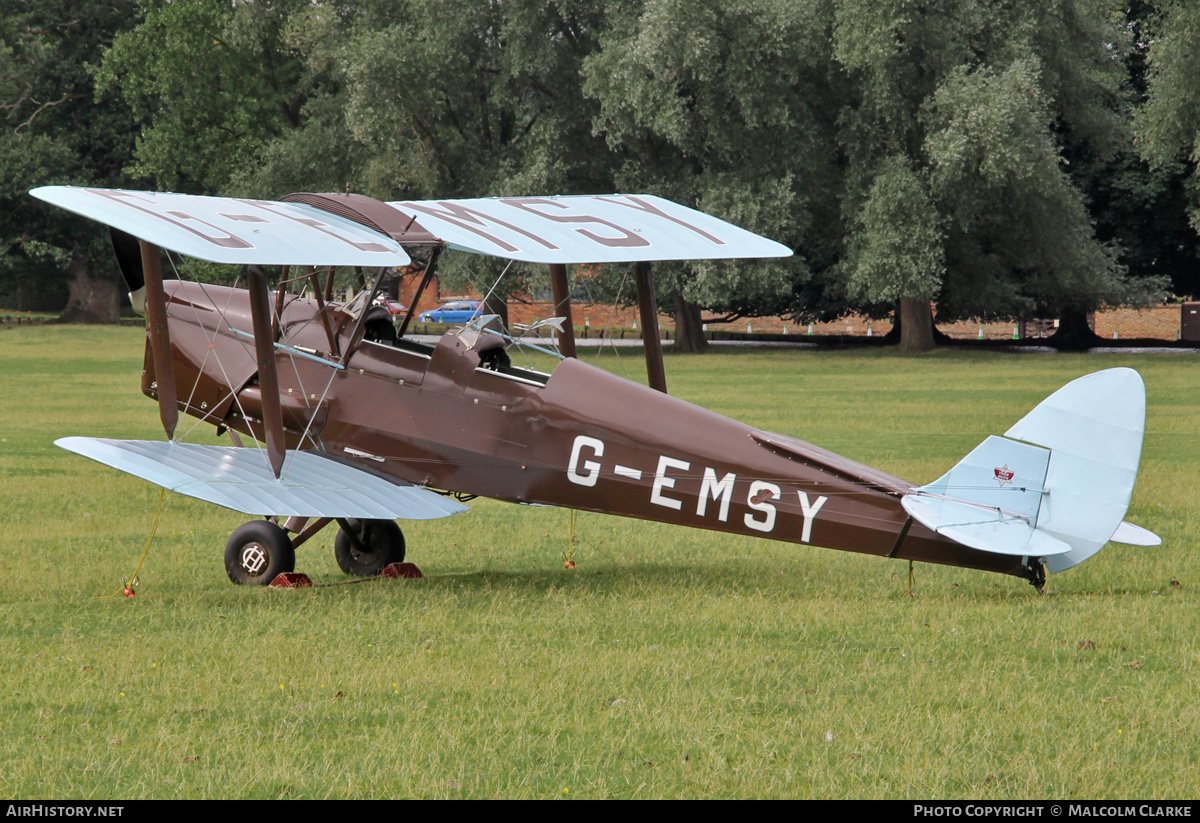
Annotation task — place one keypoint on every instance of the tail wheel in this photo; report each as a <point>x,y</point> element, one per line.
<point>258,552</point>
<point>376,543</point>
<point>1035,573</point>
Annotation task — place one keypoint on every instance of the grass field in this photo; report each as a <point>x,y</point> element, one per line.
<point>670,663</point>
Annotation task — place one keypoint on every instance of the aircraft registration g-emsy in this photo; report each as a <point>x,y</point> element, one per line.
<point>362,425</point>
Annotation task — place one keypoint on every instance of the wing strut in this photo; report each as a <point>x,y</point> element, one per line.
<point>268,377</point>
<point>562,308</point>
<point>160,338</point>
<point>280,294</point>
<point>356,336</point>
<point>648,308</point>
<point>317,292</point>
<point>430,270</point>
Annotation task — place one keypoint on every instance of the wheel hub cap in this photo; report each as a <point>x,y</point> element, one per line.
<point>254,558</point>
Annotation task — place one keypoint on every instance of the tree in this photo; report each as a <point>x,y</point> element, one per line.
<point>942,151</point>
<point>960,117</point>
<point>396,99</point>
<point>462,98</point>
<point>1139,209</point>
<point>55,132</point>
<point>895,253</point>
<point>725,107</point>
<point>1168,125</point>
<point>215,83</point>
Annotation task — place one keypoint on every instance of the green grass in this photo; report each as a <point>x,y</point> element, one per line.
<point>670,663</point>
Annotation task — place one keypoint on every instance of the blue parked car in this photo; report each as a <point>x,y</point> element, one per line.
<point>456,311</point>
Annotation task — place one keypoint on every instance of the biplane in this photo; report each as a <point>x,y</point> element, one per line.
<point>355,422</point>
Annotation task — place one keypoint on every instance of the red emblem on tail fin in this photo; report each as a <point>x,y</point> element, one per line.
<point>1003,475</point>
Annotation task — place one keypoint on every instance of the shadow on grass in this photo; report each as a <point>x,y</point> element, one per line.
<point>702,581</point>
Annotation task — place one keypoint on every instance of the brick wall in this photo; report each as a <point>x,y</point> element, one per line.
<point>1160,323</point>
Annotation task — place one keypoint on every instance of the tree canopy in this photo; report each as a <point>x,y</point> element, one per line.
<point>54,130</point>
<point>974,154</point>
<point>956,135</point>
<point>1169,122</point>
<point>726,107</point>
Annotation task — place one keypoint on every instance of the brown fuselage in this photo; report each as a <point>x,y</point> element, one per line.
<point>457,417</point>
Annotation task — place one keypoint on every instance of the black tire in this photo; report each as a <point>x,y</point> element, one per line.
<point>257,553</point>
<point>384,543</point>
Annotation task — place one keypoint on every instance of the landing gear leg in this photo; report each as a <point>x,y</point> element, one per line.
<point>366,547</point>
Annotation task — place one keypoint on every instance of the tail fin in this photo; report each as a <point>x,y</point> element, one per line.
<point>1058,483</point>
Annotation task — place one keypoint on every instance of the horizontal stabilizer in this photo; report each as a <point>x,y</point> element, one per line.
<point>232,230</point>
<point>311,485</point>
<point>1132,535</point>
<point>982,527</point>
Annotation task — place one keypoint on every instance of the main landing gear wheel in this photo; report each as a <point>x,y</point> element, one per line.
<point>257,552</point>
<point>380,542</point>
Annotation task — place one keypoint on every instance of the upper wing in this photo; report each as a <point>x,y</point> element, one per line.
<point>325,231</point>
<point>232,230</point>
<point>615,228</point>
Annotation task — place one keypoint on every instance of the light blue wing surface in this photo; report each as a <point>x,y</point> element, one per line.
<point>612,228</point>
<point>232,230</point>
<point>311,484</point>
